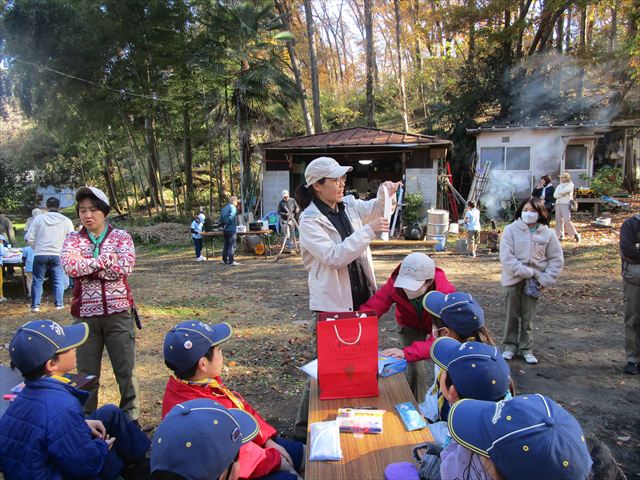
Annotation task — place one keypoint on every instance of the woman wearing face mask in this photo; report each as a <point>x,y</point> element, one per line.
<point>531,259</point>
<point>406,287</point>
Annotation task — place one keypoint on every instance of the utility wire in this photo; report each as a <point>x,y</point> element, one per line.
<point>121,91</point>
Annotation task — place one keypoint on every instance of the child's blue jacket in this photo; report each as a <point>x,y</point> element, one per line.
<point>43,434</point>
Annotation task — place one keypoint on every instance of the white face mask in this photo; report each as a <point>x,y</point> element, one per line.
<point>529,217</point>
<point>411,294</point>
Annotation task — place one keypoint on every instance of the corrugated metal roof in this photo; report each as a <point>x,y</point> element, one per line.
<point>355,137</point>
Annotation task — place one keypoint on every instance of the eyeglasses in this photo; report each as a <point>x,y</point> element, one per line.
<point>337,180</point>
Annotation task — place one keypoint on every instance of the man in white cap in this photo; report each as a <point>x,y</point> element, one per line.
<point>288,210</point>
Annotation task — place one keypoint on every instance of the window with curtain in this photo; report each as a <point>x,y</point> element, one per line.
<point>495,155</point>
<point>518,158</point>
<point>576,157</point>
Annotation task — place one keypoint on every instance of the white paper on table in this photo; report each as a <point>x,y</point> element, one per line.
<point>311,369</point>
<point>388,210</point>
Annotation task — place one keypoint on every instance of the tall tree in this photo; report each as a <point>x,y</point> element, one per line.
<point>313,59</point>
<point>405,120</point>
<point>370,61</point>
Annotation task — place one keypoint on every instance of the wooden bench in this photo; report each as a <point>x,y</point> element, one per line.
<point>366,456</point>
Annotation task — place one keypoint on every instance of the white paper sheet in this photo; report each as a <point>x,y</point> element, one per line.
<point>311,369</point>
<point>388,209</point>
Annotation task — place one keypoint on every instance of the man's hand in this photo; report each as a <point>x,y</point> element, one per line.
<point>392,186</point>
<point>393,352</point>
<point>97,428</point>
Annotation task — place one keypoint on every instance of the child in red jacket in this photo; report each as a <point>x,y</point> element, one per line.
<point>192,351</point>
<point>406,287</point>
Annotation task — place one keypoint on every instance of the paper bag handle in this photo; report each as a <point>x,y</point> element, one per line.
<point>335,328</point>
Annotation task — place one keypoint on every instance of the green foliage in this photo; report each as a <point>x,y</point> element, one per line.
<point>607,181</point>
<point>412,210</point>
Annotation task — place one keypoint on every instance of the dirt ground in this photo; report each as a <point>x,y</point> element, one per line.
<point>578,330</point>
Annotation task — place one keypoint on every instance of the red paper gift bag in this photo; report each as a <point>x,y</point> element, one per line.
<point>347,355</point>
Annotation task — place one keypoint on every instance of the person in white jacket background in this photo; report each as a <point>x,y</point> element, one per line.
<point>46,234</point>
<point>531,259</point>
<point>563,195</point>
<point>335,233</point>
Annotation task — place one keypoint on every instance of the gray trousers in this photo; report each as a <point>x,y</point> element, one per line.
<point>518,328</point>
<point>117,333</point>
<point>563,220</point>
<point>302,415</point>
<point>416,373</point>
<point>631,294</point>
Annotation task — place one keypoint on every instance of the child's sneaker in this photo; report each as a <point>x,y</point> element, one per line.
<point>631,368</point>
<point>235,264</point>
<point>507,355</point>
<point>59,307</point>
<point>35,309</point>
<point>530,358</point>
<point>3,299</point>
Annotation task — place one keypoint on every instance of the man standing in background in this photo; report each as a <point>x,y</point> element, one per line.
<point>287,209</point>
<point>630,253</point>
<point>228,224</point>
<point>46,234</point>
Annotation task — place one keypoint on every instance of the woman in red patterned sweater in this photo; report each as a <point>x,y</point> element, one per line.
<point>100,258</point>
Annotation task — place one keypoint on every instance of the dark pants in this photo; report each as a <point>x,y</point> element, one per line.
<point>197,243</point>
<point>631,321</point>
<point>229,247</point>
<point>520,311</point>
<point>42,264</point>
<point>117,333</point>
<point>416,373</point>
<point>131,443</point>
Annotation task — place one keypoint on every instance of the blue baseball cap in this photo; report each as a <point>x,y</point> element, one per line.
<point>189,341</point>
<point>200,438</point>
<point>476,369</point>
<point>458,310</point>
<point>36,342</point>
<point>527,437</point>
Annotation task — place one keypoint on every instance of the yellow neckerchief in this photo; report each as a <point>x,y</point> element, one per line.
<point>62,379</point>
<point>213,383</point>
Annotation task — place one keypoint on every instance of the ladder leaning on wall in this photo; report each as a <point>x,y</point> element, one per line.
<point>479,182</point>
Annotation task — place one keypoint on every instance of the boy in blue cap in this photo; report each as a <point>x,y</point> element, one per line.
<point>200,440</point>
<point>459,316</point>
<point>43,433</point>
<point>528,437</point>
<point>192,349</point>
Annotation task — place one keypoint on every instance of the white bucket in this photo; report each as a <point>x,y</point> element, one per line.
<point>454,228</point>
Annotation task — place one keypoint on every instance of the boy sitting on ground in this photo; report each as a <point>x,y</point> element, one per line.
<point>43,433</point>
<point>192,351</point>
<point>200,440</point>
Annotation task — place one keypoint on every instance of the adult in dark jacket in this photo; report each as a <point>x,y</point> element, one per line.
<point>406,287</point>
<point>229,229</point>
<point>630,254</point>
<point>544,191</point>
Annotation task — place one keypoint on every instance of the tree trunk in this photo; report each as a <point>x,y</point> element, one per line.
<point>313,59</point>
<point>285,14</point>
<point>567,30</point>
<point>188,159</point>
<point>123,185</point>
<point>522,16</point>
<point>582,47</point>
<point>139,161</point>
<point>396,6</point>
<point>371,102</point>
<point>152,161</point>
<point>559,33</point>
<point>174,189</point>
<point>220,176</point>
<point>107,173</point>
<point>228,121</point>
<point>614,26</point>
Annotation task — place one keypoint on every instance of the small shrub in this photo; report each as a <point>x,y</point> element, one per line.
<point>412,209</point>
<point>607,181</point>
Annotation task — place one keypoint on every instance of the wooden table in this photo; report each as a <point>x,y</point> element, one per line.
<point>265,234</point>
<point>366,457</point>
<point>596,202</point>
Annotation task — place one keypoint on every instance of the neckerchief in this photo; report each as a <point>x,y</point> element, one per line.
<point>62,379</point>
<point>97,241</point>
<point>213,383</point>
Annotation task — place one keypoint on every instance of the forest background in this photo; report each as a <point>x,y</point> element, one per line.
<point>162,102</point>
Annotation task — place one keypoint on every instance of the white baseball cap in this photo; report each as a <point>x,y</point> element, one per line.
<point>96,192</point>
<point>285,193</point>
<point>324,167</point>
<point>415,269</point>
